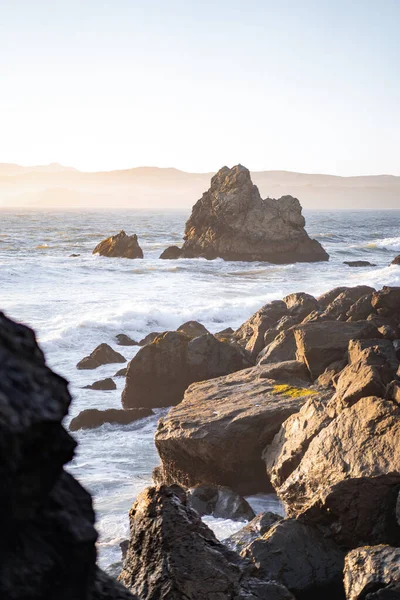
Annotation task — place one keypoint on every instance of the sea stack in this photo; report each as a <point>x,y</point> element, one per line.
<point>120,246</point>
<point>232,221</point>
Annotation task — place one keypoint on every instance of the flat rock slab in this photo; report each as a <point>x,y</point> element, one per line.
<point>92,418</point>
<point>217,434</point>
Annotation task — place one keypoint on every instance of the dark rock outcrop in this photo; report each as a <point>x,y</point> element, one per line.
<point>231,221</point>
<point>47,548</point>
<point>125,340</point>
<point>251,333</point>
<point>396,261</point>
<point>102,384</point>
<point>217,434</point>
<point>220,502</point>
<point>121,372</point>
<point>161,371</point>
<point>301,557</point>
<point>102,355</point>
<point>372,573</point>
<point>193,329</point>
<point>150,337</point>
<point>171,253</point>
<point>253,530</point>
<point>173,554</point>
<point>358,263</point>
<point>120,246</point>
<point>92,417</point>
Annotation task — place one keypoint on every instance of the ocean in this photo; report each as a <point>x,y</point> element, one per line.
<point>76,303</point>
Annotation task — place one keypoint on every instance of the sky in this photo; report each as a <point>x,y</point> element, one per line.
<point>309,86</point>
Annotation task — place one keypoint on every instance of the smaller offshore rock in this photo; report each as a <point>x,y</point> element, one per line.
<point>171,253</point>
<point>120,246</point>
<point>92,417</point>
<point>102,355</point>
<point>102,384</point>
<point>125,340</point>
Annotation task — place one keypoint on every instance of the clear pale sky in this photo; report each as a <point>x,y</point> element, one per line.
<point>309,86</point>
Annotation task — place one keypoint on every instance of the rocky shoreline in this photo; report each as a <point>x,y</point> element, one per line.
<point>302,399</point>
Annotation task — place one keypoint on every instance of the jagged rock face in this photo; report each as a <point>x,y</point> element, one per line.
<point>120,246</point>
<point>217,434</point>
<point>370,569</point>
<point>47,548</point>
<point>233,222</point>
<point>161,371</point>
<point>172,554</point>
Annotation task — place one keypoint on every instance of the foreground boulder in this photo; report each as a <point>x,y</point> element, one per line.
<point>92,417</point>
<point>120,246</point>
<point>231,221</point>
<point>373,573</point>
<point>48,537</point>
<point>349,475</point>
<point>173,554</point>
<point>102,355</point>
<point>301,557</point>
<point>217,434</point>
<point>161,371</point>
<point>220,502</point>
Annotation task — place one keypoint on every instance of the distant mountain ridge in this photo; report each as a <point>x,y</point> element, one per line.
<point>57,186</point>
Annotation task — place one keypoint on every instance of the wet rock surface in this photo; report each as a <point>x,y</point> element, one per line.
<point>220,502</point>
<point>120,245</point>
<point>233,222</point>
<point>92,417</point>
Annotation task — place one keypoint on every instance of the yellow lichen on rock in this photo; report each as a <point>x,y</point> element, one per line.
<point>291,391</point>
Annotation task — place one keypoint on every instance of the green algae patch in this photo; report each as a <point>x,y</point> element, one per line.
<point>292,392</point>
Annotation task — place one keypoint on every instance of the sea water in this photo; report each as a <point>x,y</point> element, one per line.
<point>76,303</point>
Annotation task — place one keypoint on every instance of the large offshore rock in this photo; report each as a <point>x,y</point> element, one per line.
<point>370,569</point>
<point>231,221</point>
<point>47,547</point>
<point>321,343</point>
<point>161,371</point>
<point>120,245</point>
<point>301,557</point>
<point>172,554</point>
<point>349,475</point>
<point>217,434</point>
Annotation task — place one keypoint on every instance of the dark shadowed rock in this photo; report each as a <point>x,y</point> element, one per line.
<point>161,371</point>
<point>220,502</point>
<point>371,569</point>
<point>125,340</point>
<point>328,378</point>
<point>320,344</point>
<point>102,384</point>
<point>290,371</point>
<point>232,222</point>
<point>282,349</point>
<point>193,329</point>
<point>92,417</point>
<point>217,434</point>
<point>121,372</point>
<point>251,333</point>
<point>301,557</point>
<point>102,355</point>
<point>361,309</point>
<point>173,554</point>
<point>358,263</point>
<point>47,547</point>
<point>120,246</point>
<point>338,308</point>
<point>171,253</point>
<point>387,300</point>
<point>325,299</point>
<point>253,530</point>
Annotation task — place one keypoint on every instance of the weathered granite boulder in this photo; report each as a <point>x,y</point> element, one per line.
<point>125,340</point>
<point>217,434</point>
<point>161,371</point>
<point>339,307</point>
<point>321,343</point>
<point>289,371</point>
<point>281,349</point>
<point>349,476</point>
<point>361,309</point>
<point>253,530</point>
<point>251,333</point>
<point>301,557</point>
<point>47,547</point>
<point>220,502</point>
<point>102,355</point>
<point>372,573</point>
<point>120,246</point>
<point>231,221</point>
<point>193,329</point>
<point>92,417</point>
<point>171,253</point>
<point>386,300</point>
<point>300,304</point>
<point>173,554</point>
<point>102,384</point>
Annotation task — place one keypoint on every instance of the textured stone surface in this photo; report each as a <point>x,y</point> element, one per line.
<point>372,568</point>
<point>232,222</point>
<point>161,371</point>
<point>253,530</point>
<point>120,245</point>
